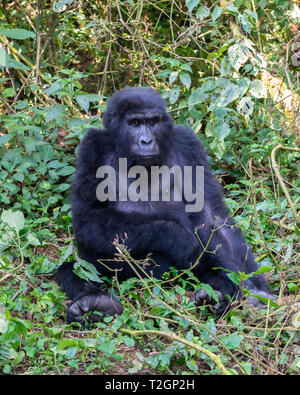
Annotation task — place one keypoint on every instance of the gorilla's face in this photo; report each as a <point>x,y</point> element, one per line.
<point>140,125</point>
<point>143,129</point>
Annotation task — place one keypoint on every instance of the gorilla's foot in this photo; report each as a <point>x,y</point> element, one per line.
<point>93,306</point>
<point>258,303</point>
<point>201,297</point>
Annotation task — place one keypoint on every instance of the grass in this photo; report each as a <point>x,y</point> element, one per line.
<point>160,331</point>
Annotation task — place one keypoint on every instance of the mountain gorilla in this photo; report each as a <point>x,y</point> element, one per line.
<point>139,129</point>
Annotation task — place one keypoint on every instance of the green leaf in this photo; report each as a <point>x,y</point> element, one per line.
<point>263,269</point>
<point>196,97</point>
<point>216,13</point>
<point>202,12</point>
<point>55,164</point>
<point>228,95</point>
<point>165,358</point>
<point>67,253</point>
<point>7,61</point>
<point>266,301</point>
<point>6,138</point>
<point>245,107</point>
<point>173,76</point>
<point>243,85</point>
<point>18,34</point>
<point>30,144</point>
<point>223,130</point>
<point>66,343</point>
<point>61,5</point>
<point>137,366</point>
<point>265,206</point>
<point>185,80</point>
<point>129,341</point>
<point>56,86</point>
<point>66,171</point>
<point>296,320</point>
<point>4,198</point>
<point>186,67</point>
<point>210,291</point>
<point>232,341</point>
<point>5,262</point>
<point>108,347</point>
<point>86,271</point>
<point>33,240</point>
<point>246,25</point>
<point>258,89</point>
<point>247,366</point>
<point>152,360</point>
<point>191,4</point>
<point>85,100</point>
<point>4,58</point>
<point>238,55</point>
<point>3,320</point>
<point>53,112</point>
<point>174,95</point>
<point>191,364</point>
<point>46,153</point>
<point>231,8</point>
<point>234,277</point>
<point>14,220</point>
<point>71,352</point>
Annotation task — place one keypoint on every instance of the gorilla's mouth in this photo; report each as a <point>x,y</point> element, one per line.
<point>147,160</point>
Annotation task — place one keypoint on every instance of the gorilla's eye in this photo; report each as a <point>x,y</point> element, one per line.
<point>153,121</point>
<point>134,122</point>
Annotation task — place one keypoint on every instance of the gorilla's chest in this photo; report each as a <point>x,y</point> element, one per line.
<point>149,198</point>
<point>148,206</point>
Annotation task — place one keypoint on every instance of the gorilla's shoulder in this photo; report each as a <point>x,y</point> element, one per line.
<point>189,144</point>
<point>96,143</point>
<point>185,135</point>
<point>96,137</point>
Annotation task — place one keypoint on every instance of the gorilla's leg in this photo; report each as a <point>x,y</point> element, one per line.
<point>86,298</point>
<point>228,251</point>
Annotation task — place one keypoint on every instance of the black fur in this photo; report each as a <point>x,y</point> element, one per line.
<point>165,232</point>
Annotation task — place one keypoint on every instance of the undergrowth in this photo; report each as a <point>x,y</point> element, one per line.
<point>227,70</point>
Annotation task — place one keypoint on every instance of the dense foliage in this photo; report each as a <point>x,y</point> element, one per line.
<point>228,70</point>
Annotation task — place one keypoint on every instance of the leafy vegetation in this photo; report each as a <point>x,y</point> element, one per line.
<point>229,71</point>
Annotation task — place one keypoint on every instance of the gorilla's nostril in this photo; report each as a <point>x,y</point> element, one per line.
<point>145,141</point>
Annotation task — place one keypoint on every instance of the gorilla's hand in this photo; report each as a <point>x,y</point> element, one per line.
<point>201,297</point>
<point>86,304</point>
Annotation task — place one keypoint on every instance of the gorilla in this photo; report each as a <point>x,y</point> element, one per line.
<point>175,231</point>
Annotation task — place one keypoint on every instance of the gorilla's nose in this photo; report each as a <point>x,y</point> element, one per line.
<point>147,146</point>
<point>146,141</point>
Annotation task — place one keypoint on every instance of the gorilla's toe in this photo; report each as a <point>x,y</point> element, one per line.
<point>201,297</point>
<point>263,294</point>
<point>100,304</point>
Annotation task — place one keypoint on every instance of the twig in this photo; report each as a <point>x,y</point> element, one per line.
<point>126,256</point>
<point>280,179</point>
<point>5,276</point>
<point>215,358</point>
<point>256,216</point>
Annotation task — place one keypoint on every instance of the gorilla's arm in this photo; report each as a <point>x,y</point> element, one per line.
<point>97,229</point>
<point>96,225</point>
